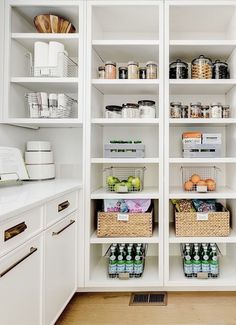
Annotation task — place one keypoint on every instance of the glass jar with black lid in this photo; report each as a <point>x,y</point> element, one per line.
<point>220,70</point>
<point>130,110</point>
<point>123,73</point>
<point>175,110</point>
<point>113,111</point>
<point>178,70</point>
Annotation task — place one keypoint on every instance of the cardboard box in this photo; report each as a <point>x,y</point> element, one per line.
<point>211,138</point>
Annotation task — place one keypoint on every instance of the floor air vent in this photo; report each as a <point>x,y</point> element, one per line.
<point>148,299</point>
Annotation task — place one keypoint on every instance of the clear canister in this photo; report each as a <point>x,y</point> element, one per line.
<point>133,70</point>
<point>147,108</point>
<point>113,111</point>
<point>216,110</point>
<point>101,72</point>
<point>130,110</point>
<point>175,110</point>
<point>184,111</point>
<point>202,68</point>
<point>205,111</point>
<point>220,70</point>
<point>151,70</point>
<point>225,111</point>
<point>196,110</point>
<point>123,73</point>
<point>110,70</point>
<point>178,70</point>
<point>142,73</point>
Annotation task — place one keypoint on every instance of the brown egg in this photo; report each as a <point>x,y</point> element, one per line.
<point>188,186</point>
<point>195,178</point>
<point>211,184</point>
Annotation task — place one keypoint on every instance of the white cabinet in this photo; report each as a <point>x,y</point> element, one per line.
<point>20,285</point>
<point>60,267</point>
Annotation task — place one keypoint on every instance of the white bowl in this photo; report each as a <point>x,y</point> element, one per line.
<point>39,172</point>
<point>38,157</point>
<point>38,146</point>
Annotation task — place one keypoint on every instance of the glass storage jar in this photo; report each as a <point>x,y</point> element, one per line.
<point>205,111</point>
<point>142,73</point>
<point>147,108</point>
<point>225,111</point>
<point>202,68</point>
<point>216,110</point>
<point>196,110</point>
<point>110,70</point>
<point>130,110</point>
<point>101,72</point>
<point>113,111</point>
<point>178,70</point>
<point>175,110</point>
<point>123,73</point>
<point>133,71</point>
<point>220,70</point>
<point>151,70</point>
<point>184,111</point>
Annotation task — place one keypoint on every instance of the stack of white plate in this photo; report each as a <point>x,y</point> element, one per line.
<point>39,160</point>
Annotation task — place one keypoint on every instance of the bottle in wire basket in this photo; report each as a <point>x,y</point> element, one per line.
<point>188,266</point>
<point>129,262</point>
<point>138,263</point>
<point>196,261</point>
<point>205,260</point>
<point>112,263</point>
<point>214,263</point>
<point>121,260</point>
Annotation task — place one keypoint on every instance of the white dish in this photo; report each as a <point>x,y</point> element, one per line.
<point>38,157</point>
<point>38,146</point>
<point>39,172</point>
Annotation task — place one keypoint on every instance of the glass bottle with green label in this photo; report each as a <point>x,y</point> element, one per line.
<point>138,263</point>
<point>121,260</point>
<point>196,260</point>
<point>205,260</point>
<point>129,262</point>
<point>112,269</point>
<point>214,263</point>
<point>188,266</point>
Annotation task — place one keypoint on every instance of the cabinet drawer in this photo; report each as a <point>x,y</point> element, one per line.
<point>60,207</point>
<point>21,228</point>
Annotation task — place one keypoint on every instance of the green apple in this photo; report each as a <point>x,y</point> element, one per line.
<point>136,183</point>
<point>130,178</point>
<point>111,181</point>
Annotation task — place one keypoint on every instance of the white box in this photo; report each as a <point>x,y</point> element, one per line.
<point>211,138</point>
<point>192,140</point>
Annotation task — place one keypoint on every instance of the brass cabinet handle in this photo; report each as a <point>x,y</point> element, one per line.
<point>14,231</point>
<point>64,228</point>
<point>64,205</point>
<point>32,251</point>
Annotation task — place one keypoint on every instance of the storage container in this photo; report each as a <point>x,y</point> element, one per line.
<point>142,73</point>
<point>151,70</point>
<point>200,179</point>
<point>205,111</point>
<point>113,111</point>
<point>216,110</point>
<point>225,111</point>
<point>175,110</point>
<point>201,150</point>
<point>198,224</point>
<point>101,72</point>
<point>178,70</point>
<point>147,108</point>
<point>123,73</point>
<point>195,110</point>
<point>110,70</point>
<point>220,70</point>
<point>112,224</point>
<point>184,111</point>
<point>124,150</point>
<point>202,68</point>
<point>133,70</point>
<point>130,110</point>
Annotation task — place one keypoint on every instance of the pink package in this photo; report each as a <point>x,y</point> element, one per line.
<point>138,206</point>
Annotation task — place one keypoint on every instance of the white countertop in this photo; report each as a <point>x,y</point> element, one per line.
<point>17,199</point>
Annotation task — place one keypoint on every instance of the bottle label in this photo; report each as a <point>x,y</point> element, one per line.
<point>129,267</point>
<point>214,266</point>
<point>188,268</point>
<point>196,266</point>
<point>138,268</point>
<point>120,267</point>
<point>205,267</point>
<point>112,268</point>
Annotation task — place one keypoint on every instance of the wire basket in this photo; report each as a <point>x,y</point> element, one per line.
<point>199,179</point>
<point>66,67</point>
<point>59,107</point>
<point>124,179</point>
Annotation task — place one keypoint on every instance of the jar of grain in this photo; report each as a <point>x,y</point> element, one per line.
<point>133,71</point>
<point>216,110</point>
<point>101,72</point>
<point>196,110</point>
<point>110,70</point>
<point>175,109</point>
<point>151,70</point>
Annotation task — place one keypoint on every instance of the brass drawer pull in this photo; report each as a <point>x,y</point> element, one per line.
<point>64,228</point>
<point>64,205</point>
<point>14,231</point>
<point>32,251</point>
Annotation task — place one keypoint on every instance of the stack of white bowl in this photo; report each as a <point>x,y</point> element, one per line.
<point>39,160</point>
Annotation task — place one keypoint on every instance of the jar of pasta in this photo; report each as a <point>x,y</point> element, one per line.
<point>202,68</point>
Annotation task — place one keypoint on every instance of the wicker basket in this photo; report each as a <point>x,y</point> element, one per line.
<point>189,224</point>
<point>112,224</point>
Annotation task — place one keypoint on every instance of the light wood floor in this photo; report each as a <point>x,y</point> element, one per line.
<point>183,308</point>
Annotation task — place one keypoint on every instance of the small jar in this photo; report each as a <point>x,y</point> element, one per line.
<point>216,110</point>
<point>225,111</point>
<point>142,73</point>
<point>123,73</point>
<point>151,70</point>
<point>184,111</point>
<point>133,71</point>
<point>202,68</point>
<point>178,70</point>
<point>101,72</point>
<point>205,111</point>
<point>196,110</point>
<point>113,111</point>
<point>130,110</point>
<point>220,70</point>
<point>110,70</point>
<point>175,110</point>
<point>147,108</point>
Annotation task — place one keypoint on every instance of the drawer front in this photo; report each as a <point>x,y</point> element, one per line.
<point>61,207</point>
<point>16,231</point>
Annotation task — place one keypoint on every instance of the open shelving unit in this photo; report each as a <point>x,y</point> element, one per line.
<point>142,41</point>
<point>186,37</point>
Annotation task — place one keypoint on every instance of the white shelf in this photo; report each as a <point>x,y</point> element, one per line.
<point>173,239</point>
<point>127,50</point>
<point>52,123</point>
<point>69,85</point>
<point>176,192</point>
<point>148,240</point>
<point>200,86</point>
<point>146,193</point>
<point>177,278</point>
<point>202,122</point>
<point>150,276</point>
<point>125,122</point>
<point>202,160</point>
<point>127,86</point>
<point>125,160</point>
<point>27,40</point>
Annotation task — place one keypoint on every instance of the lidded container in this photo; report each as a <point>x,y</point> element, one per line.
<point>101,72</point>
<point>178,70</point>
<point>133,70</point>
<point>195,110</point>
<point>110,70</point>
<point>202,68</point>
<point>151,70</point>
<point>147,108</point>
<point>205,111</point>
<point>216,110</point>
<point>123,73</point>
<point>113,111</point>
<point>220,70</point>
<point>175,109</point>
<point>143,73</point>
<point>130,110</point>
<point>225,111</point>
<point>184,111</point>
